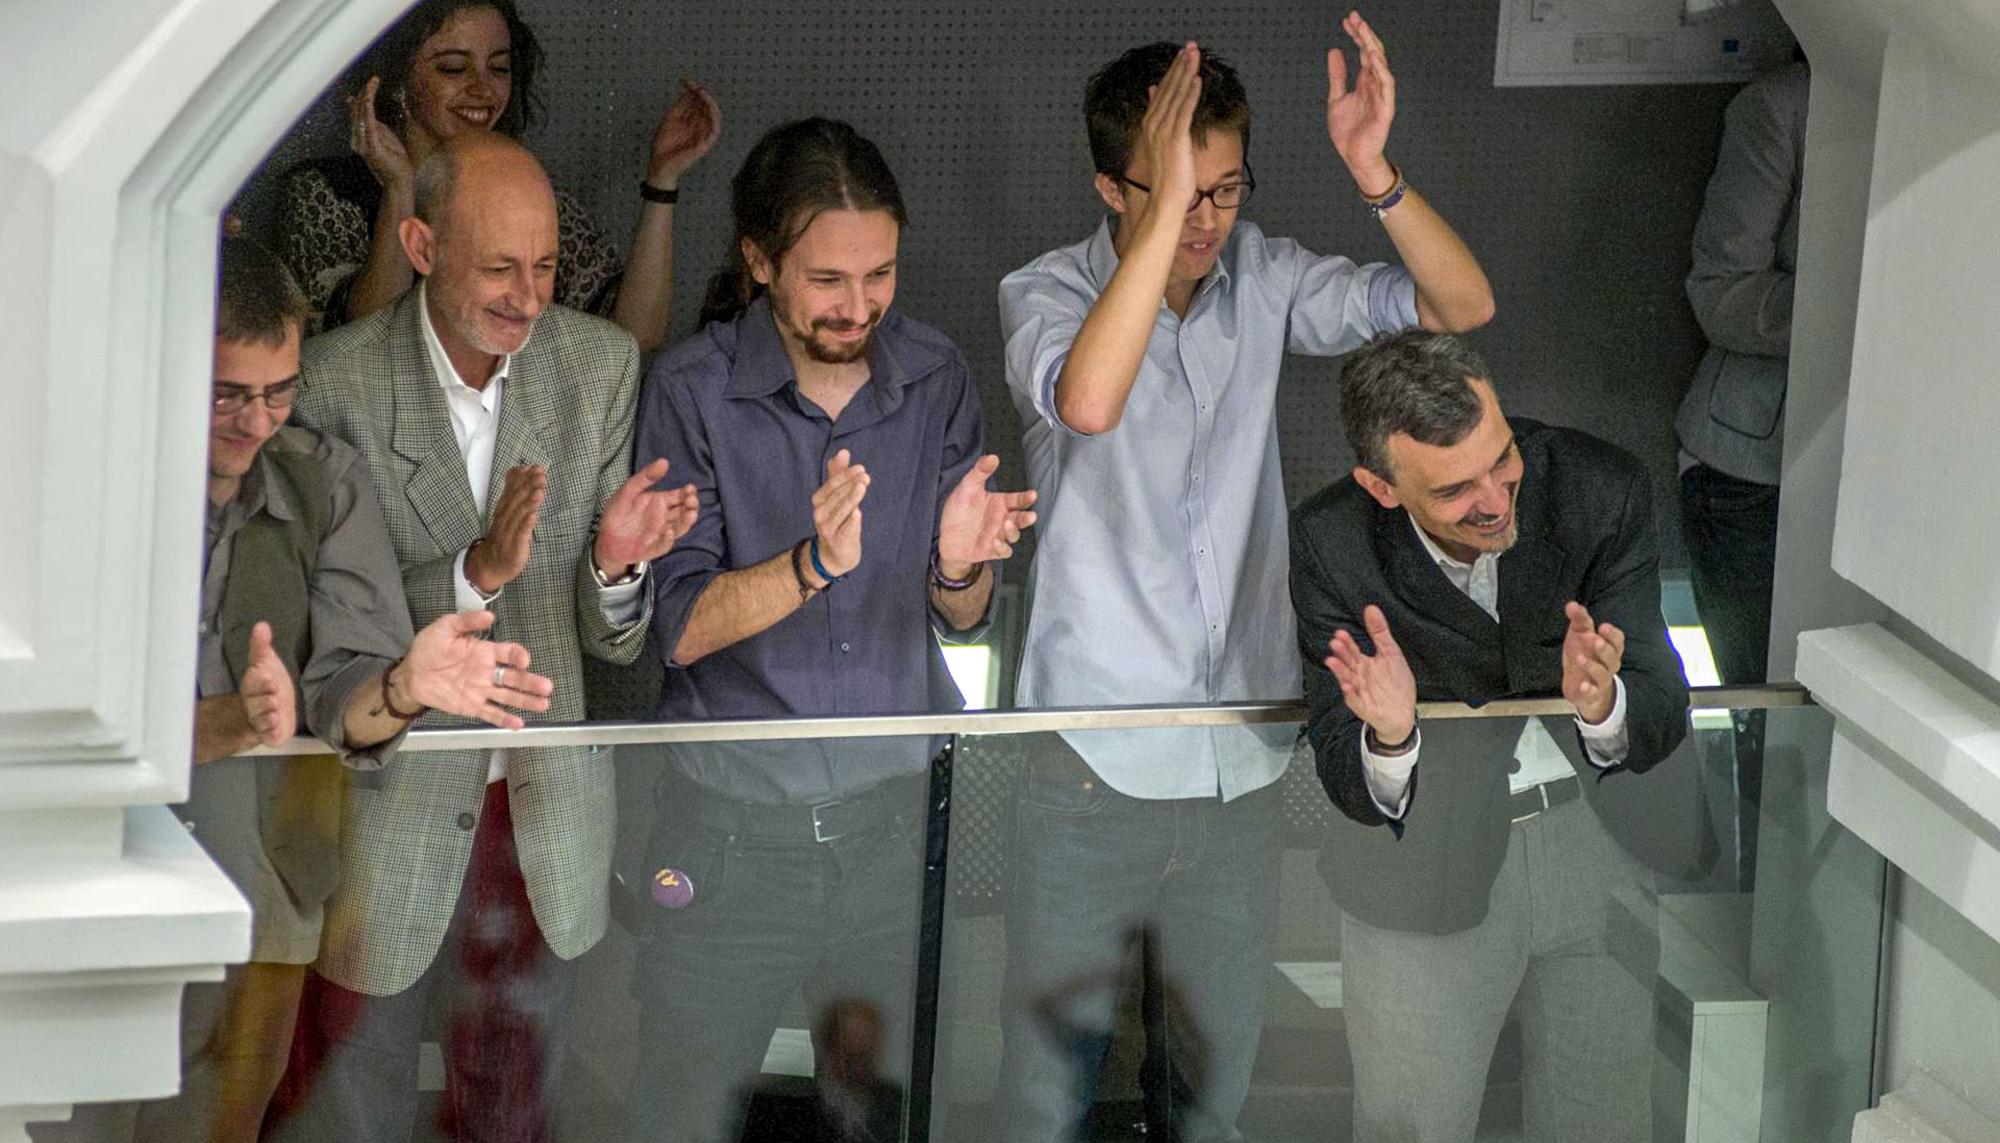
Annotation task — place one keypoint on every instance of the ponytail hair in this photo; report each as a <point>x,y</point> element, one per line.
<point>796,172</point>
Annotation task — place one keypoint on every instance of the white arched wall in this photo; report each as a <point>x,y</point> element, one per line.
<point>125,129</point>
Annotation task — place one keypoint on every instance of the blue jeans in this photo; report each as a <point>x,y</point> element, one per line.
<point>771,915</point>
<point>1092,867</point>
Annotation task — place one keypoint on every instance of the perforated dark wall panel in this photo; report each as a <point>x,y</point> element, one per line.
<point>1579,201</point>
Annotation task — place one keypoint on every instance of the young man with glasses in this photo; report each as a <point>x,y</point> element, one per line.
<point>303,624</point>
<point>1145,362</point>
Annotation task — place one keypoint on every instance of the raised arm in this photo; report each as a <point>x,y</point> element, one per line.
<point>646,297</point>
<point>386,272</point>
<point>1452,292</point>
<point>1104,359</point>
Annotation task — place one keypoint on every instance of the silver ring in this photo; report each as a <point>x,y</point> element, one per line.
<point>499,675</point>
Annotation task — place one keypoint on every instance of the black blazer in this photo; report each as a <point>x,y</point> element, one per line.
<point>1586,534</point>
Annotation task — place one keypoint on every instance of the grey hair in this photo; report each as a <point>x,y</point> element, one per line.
<point>1413,382</point>
<point>436,178</point>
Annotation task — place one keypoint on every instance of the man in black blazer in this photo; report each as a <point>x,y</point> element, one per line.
<point>1470,558</point>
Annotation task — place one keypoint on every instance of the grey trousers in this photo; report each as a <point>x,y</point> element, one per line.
<point>1424,1011</point>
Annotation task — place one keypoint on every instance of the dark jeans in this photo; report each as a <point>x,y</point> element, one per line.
<point>1092,867</point>
<point>1730,527</point>
<point>773,911</point>
<point>353,1073</point>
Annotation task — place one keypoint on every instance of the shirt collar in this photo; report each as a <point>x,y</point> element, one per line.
<point>260,490</point>
<point>1103,258</point>
<point>441,366</point>
<point>762,367</point>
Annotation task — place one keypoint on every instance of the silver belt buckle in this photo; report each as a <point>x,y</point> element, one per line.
<point>820,828</point>
<point>1543,791</point>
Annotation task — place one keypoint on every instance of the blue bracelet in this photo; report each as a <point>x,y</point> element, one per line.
<point>1380,206</point>
<point>819,569</point>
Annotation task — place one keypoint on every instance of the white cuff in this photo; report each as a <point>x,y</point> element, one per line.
<point>620,603</point>
<point>1389,777</point>
<point>1606,744</point>
<point>465,596</point>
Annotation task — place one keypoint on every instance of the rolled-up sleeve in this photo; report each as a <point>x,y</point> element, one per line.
<point>1337,305</point>
<point>671,426</point>
<point>1040,314</point>
<point>360,622</point>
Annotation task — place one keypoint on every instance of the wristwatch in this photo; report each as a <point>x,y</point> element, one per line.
<point>637,573</point>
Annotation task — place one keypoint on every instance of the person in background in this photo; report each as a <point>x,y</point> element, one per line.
<point>449,67</point>
<point>1732,422</point>
<point>498,431</point>
<point>1145,362</point>
<point>303,624</point>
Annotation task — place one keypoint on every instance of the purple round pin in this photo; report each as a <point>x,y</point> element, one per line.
<point>672,889</point>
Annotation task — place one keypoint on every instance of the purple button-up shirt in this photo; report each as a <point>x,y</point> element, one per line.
<point>725,410</point>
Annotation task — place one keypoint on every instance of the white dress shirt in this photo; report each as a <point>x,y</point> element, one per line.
<point>475,423</point>
<point>1538,758</point>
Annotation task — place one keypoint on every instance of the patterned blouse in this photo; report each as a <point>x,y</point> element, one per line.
<point>329,217</point>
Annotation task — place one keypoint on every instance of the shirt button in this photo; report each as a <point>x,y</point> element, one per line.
<point>467,821</point>
<point>843,648</point>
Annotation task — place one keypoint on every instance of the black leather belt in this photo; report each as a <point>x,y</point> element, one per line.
<point>1547,796</point>
<point>798,821</point>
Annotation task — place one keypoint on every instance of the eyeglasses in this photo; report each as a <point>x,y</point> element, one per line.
<point>230,398</point>
<point>1228,196</point>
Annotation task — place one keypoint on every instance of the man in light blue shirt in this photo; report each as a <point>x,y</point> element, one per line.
<point>1145,362</point>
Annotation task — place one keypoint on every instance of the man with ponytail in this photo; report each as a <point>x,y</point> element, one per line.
<point>845,522</point>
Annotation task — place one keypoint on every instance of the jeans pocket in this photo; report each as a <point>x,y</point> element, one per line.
<point>686,868</point>
<point>1057,781</point>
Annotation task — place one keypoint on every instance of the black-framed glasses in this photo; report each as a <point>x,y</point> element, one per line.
<point>1228,196</point>
<point>230,398</point>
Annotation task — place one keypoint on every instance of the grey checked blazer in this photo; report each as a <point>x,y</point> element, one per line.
<point>568,405</point>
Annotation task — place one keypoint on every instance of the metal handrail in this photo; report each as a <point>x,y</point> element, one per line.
<point>995,722</point>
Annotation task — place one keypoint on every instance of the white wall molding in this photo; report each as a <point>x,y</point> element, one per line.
<point>1924,1111</point>
<point>127,129</point>
<point>1916,762</point>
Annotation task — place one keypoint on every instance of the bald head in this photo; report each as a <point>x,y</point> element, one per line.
<point>484,238</point>
<point>482,164</point>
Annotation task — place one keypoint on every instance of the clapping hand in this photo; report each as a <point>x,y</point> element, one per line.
<point>1379,688</point>
<point>979,524</point>
<point>1591,656</point>
<point>1358,120</point>
<point>641,524</point>
<point>837,514</point>
<point>501,554</point>
<point>687,131</point>
<point>451,668</point>
<point>270,705</point>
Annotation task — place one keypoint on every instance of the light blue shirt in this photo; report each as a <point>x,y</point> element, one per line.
<point>1161,566</point>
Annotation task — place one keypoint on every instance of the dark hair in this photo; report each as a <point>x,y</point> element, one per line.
<point>796,172</point>
<point>394,56</point>
<point>1413,382</point>
<point>1115,100</point>
<point>256,300</point>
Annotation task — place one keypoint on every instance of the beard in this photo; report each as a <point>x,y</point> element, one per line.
<point>838,353</point>
<point>1490,543</point>
<point>464,319</point>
